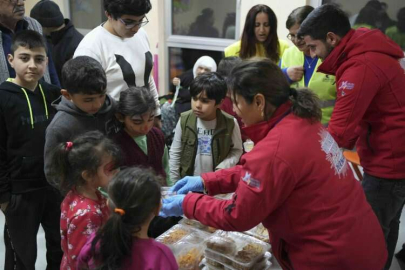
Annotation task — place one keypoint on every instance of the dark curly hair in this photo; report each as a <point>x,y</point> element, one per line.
<point>117,8</point>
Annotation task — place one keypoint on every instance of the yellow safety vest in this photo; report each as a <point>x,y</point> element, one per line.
<point>234,49</point>
<point>357,26</point>
<point>321,84</point>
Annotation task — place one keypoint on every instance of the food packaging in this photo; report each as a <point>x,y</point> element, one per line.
<point>243,253</point>
<point>188,256</point>
<point>259,232</point>
<point>210,264</point>
<point>175,234</point>
<point>198,225</point>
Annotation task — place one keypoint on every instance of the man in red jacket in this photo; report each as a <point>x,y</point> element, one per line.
<point>370,107</point>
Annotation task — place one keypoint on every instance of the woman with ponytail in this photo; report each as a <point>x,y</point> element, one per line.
<point>295,181</point>
<point>123,243</point>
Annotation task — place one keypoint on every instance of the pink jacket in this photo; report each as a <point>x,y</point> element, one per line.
<point>370,103</point>
<point>298,184</point>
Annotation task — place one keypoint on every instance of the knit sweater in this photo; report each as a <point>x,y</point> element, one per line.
<point>135,156</point>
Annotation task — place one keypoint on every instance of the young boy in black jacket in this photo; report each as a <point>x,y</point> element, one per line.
<point>26,198</point>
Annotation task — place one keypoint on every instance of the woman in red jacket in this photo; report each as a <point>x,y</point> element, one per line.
<point>295,181</point>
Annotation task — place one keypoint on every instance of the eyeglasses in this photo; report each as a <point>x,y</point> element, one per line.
<point>131,24</point>
<point>293,37</point>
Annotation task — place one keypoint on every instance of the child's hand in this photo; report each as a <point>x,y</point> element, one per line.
<point>172,206</point>
<point>176,81</point>
<point>188,183</point>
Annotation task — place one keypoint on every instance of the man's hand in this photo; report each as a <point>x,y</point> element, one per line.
<point>295,73</point>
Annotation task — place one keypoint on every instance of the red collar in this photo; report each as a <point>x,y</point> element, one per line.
<point>260,130</point>
<point>336,57</point>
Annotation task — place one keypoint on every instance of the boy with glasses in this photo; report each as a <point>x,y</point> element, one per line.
<point>122,47</point>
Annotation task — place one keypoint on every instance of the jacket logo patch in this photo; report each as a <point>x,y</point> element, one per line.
<point>251,181</point>
<point>345,85</point>
<point>333,153</point>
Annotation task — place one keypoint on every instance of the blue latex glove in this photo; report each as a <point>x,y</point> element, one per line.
<point>172,206</point>
<point>188,183</point>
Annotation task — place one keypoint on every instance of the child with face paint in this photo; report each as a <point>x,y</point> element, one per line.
<point>142,144</point>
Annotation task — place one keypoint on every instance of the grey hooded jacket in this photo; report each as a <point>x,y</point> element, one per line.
<point>70,122</point>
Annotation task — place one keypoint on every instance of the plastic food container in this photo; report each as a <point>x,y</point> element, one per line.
<point>244,253</point>
<point>175,234</point>
<point>188,256</point>
<point>196,237</point>
<point>260,265</point>
<point>259,232</point>
<point>196,224</point>
<point>213,264</point>
<point>166,192</point>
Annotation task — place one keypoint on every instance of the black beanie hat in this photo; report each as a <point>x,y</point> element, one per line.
<point>47,13</point>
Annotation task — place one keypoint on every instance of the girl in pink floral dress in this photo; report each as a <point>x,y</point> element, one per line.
<point>84,165</point>
<point>123,242</point>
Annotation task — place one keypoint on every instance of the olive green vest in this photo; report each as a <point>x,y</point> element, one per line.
<point>221,142</point>
<point>321,84</point>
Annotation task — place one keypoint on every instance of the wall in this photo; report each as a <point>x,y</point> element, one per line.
<point>63,4</point>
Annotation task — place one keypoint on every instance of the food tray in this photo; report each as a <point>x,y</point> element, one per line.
<point>246,253</point>
<point>198,225</point>
<point>175,234</point>
<point>188,256</point>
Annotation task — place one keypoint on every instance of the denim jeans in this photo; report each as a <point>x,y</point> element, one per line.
<point>387,198</point>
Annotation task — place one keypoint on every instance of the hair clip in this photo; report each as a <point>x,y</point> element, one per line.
<point>69,146</point>
<point>119,211</point>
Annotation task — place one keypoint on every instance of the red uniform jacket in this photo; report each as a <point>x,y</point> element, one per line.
<point>298,184</point>
<point>370,103</point>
